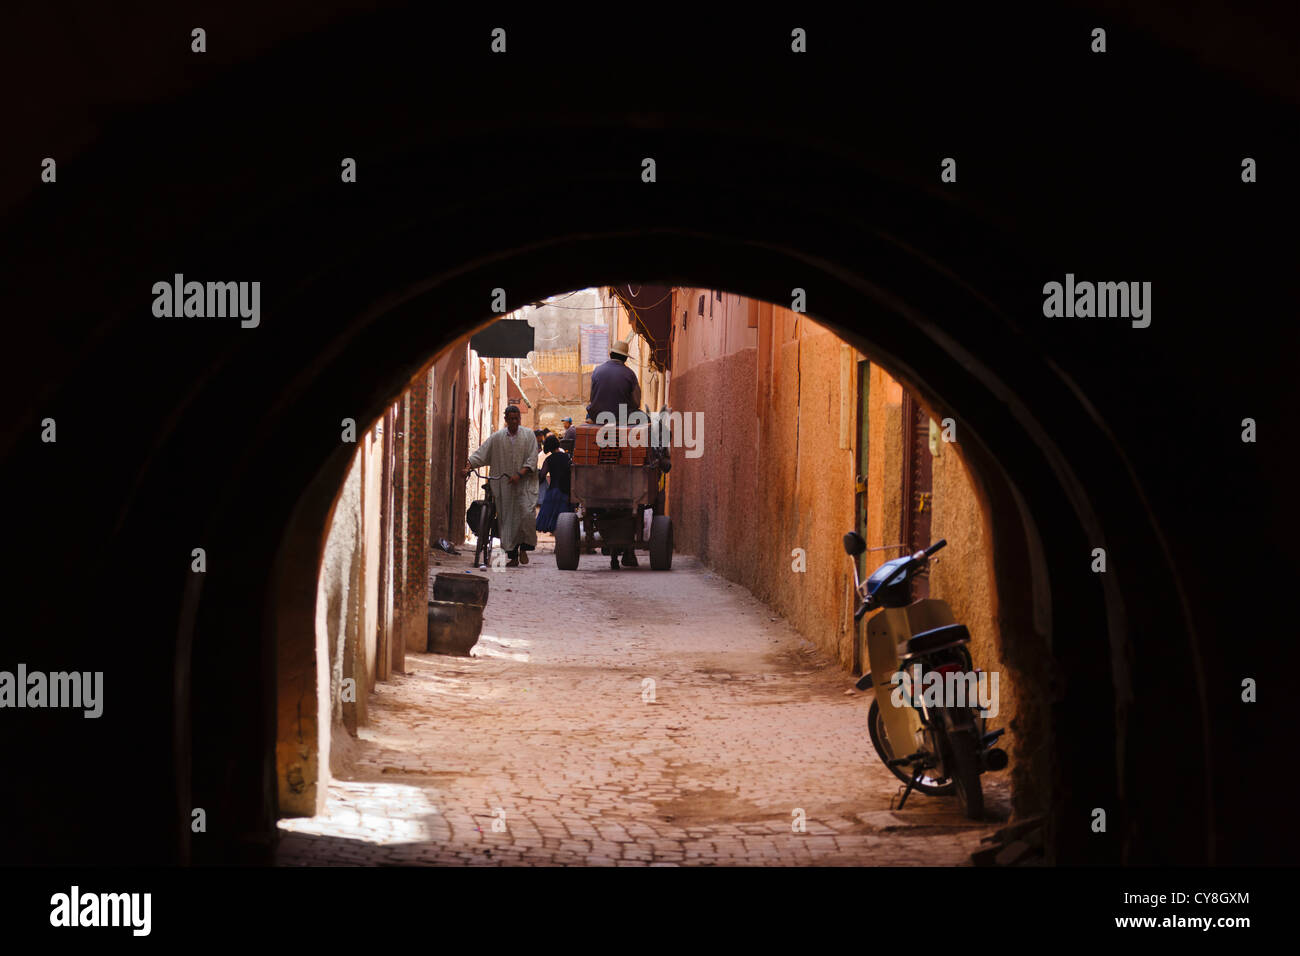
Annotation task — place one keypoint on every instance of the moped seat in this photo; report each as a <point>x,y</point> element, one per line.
<point>937,637</point>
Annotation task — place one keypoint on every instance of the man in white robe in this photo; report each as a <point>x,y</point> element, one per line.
<point>512,452</point>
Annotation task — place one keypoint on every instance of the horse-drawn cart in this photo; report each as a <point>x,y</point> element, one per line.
<point>614,478</point>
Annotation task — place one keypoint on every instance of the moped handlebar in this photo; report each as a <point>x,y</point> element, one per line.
<point>938,545</point>
<point>908,569</point>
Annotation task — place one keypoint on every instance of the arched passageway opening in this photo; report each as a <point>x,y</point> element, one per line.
<point>841,446</point>
<point>917,345</point>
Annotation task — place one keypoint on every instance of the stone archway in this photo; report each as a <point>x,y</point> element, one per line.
<point>1018,539</point>
<point>208,434</point>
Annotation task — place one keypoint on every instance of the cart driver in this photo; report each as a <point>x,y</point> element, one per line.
<point>615,389</point>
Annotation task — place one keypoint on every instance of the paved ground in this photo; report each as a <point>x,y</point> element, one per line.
<point>545,749</point>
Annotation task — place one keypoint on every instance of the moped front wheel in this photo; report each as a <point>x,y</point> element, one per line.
<point>930,786</point>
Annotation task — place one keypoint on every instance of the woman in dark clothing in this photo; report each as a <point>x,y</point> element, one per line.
<point>555,498</point>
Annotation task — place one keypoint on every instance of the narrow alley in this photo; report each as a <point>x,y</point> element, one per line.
<point>550,746</point>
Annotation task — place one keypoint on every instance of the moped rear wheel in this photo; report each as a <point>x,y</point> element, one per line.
<point>964,765</point>
<point>930,786</point>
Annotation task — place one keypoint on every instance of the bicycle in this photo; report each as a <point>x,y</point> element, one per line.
<point>484,522</point>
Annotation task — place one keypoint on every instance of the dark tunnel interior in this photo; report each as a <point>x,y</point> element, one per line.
<point>474,176</point>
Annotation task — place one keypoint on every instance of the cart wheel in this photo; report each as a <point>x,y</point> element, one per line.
<point>566,541</point>
<point>661,543</point>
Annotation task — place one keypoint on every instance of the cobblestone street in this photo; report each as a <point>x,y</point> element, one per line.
<point>543,749</point>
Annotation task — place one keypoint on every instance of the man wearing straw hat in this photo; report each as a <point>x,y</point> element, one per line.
<point>616,391</point>
<point>613,384</point>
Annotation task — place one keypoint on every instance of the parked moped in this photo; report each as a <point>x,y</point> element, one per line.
<point>934,743</point>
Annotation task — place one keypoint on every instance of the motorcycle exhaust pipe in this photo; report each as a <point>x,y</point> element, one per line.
<point>995,758</point>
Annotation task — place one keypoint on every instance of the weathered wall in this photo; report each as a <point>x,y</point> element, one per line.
<point>315,715</point>
<point>354,595</point>
<point>884,524</point>
<point>372,590</point>
<point>780,405</point>
<point>557,394</point>
<point>308,700</point>
<point>450,414</point>
<point>413,540</point>
<point>714,498</point>
<point>561,387</point>
<point>482,381</point>
<point>339,599</point>
<point>772,478</point>
<point>964,576</point>
<point>364,648</point>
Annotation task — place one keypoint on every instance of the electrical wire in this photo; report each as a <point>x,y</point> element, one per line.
<point>600,308</point>
<point>644,330</point>
<point>652,305</point>
<point>594,308</point>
